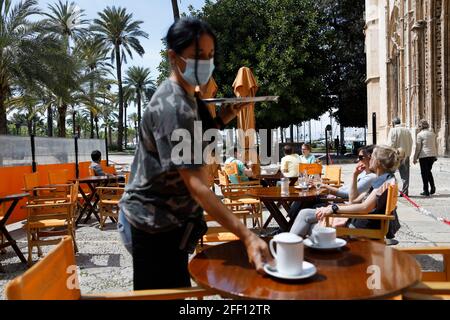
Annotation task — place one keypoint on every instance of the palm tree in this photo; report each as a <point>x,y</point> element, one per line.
<point>138,80</point>
<point>67,21</point>
<point>23,54</point>
<point>93,53</point>
<point>116,28</point>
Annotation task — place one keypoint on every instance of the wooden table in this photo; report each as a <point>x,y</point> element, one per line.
<point>14,199</point>
<point>93,182</point>
<point>272,198</point>
<point>341,274</point>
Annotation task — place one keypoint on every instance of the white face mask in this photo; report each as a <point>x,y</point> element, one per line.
<point>205,68</point>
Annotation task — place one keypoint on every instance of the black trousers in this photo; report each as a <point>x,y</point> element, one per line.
<point>426,165</point>
<point>158,262</point>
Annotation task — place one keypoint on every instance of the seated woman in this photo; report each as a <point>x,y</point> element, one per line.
<point>384,162</point>
<point>307,157</point>
<point>362,177</point>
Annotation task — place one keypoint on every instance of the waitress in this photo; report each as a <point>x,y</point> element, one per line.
<point>167,193</point>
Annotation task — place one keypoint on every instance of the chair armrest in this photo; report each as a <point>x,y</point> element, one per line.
<point>363,216</point>
<point>158,294</point>
<point>335,200</point>
<point>40,189</point>
<point>425,250</point>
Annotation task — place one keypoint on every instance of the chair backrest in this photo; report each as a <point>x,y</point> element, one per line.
<point>231,169</point>
<point>58,176</point>
<point>52,278</point>
<point>111,169</point>
<point>333,173</point>
<point>31,180</point>
<point>313,168</point>
<point>127,177</point>
<point>392,198</point>
<point>91,172</point>
<point>223,178</point>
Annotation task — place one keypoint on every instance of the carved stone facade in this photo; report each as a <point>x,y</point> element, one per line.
<point>408,62</point>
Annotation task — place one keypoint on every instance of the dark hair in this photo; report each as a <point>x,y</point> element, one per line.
<point>307,146</point>
<point>288,149</point>
<point>236,150</point>
<point>186,31</point>
<point>96,155</point>
<point>367,150</point>
<point>396,121</point>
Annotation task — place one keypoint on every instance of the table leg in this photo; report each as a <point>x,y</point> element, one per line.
<point>87,203</point>
<point>277,215</point>
<point>92,206</point>
<point>9,240</point>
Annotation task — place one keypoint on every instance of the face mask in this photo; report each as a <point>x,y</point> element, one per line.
<point>205,69</point>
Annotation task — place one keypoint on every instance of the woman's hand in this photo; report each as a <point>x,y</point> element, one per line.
<point>258,252</point>
<point>360,167</point>
<point>230,112</point>
<point>323,212</point>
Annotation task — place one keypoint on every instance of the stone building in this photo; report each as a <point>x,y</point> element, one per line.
<point>408,60</point>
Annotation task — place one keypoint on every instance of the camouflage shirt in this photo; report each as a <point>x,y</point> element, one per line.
<point>156,198</point>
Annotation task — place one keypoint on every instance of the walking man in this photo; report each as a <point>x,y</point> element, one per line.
<point>400,137</point>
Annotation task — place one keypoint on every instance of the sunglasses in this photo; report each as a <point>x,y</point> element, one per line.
<point>361,158</point>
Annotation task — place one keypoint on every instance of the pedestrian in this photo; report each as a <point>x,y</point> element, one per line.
<point>163,203</point>
<point>426,153</point>
<point>400,137</point>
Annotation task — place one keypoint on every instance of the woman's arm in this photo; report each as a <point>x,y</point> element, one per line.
<point>196,182</point>
<point>353,194</point>
<point>362,208</point>
<point>418,148</point>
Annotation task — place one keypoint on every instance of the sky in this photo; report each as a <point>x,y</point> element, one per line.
<point>156,14</point>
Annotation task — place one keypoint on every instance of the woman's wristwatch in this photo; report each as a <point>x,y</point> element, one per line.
<point>335,208</point>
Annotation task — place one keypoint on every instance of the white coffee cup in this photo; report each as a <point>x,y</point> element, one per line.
<point>289,253</point>
<point>324,236</point>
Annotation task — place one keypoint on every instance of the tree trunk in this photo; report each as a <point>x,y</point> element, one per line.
<point>342,139</point>
<point>125,124</point>
<point>3,122</point>
<point>282,135</point>
<point>292,133</point>
<point>96,127</point>
<point>62,110</point>
<point>49,121</point>
<point>30,127</point>
<point>119,83</point>
<point>176,11</point>
<point>139,105</point>
<point>91,115</point>
<point>110,134</point>
<point>91,96</point>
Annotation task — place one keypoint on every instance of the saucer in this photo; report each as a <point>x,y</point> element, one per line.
<point>308,271</point>
<point>339,243</point>
<point>300,187</point>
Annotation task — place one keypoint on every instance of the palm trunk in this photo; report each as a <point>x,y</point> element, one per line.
<point>138,96</point>
<point>96,127</point>
<point>125,124</point>
<point>176,11</point>
<point>119,83</point>
<point>91,115</point>
<point>91,96</point>
<point>49,121</point>
<point>3,122</point>
<point>110,134</point>
<point>62,110</point>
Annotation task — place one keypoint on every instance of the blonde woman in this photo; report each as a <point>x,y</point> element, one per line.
<point>384,162</point>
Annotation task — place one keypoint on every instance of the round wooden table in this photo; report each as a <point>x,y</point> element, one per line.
<point>343,274</point>
<point>272,198</point>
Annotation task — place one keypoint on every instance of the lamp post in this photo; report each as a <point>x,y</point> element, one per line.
<point>328,128</point>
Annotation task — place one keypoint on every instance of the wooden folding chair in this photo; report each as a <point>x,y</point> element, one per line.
<point>216,234</point>
<point>108,204</point>
<point>378,234</point>
<point>38,193</point>
<point>332,175</point>
<point>313,168</point>
<point>55,277</point>
<point>49,220</point>
<point>236,197</point>
<point>435,285</point>
<point>2,213</point>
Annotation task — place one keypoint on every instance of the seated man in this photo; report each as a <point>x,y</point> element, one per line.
<point>363,180</point>
<point>290,162</point>
<point>243,172</point>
